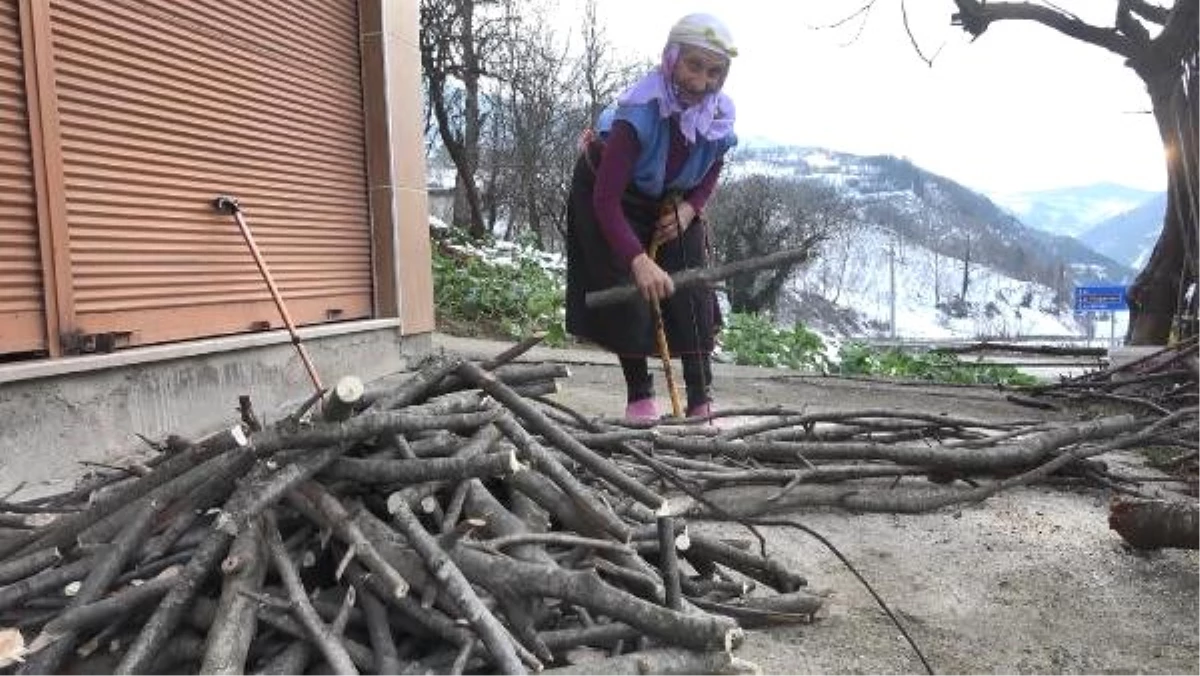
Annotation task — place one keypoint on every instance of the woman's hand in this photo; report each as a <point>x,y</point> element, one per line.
<point>674,222</point>
<point>653,283</point>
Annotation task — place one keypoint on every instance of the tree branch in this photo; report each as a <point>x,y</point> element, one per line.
<point>974,17</point>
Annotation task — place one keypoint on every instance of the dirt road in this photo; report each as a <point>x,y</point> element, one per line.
<point>1030,581</point>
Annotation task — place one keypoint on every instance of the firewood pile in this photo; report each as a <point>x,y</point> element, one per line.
<point>450,524</point>
<point>464,522</point>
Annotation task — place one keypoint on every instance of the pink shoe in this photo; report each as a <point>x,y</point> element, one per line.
<point>642,409</point>
<point>701,410</point>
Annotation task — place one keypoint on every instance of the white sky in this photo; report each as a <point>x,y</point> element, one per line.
<point>1023,108</point>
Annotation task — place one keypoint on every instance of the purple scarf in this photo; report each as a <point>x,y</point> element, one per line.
<point>711,118</point>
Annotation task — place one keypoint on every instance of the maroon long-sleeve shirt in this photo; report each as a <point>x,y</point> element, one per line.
<point>615,173</point>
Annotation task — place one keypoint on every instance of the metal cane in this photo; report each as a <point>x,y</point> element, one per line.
<point>225,204</point>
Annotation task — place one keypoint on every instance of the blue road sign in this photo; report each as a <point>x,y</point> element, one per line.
<point>1099,298</point>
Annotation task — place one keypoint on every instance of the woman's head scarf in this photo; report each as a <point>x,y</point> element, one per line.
<point>712,117</point>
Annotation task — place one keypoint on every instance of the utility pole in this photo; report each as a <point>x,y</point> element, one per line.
<point>892,280</point>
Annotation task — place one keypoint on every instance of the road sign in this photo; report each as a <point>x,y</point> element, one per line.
<point>1099,298</point>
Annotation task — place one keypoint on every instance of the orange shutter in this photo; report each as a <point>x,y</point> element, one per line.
<point>165,105</point>
<point>22,322</point>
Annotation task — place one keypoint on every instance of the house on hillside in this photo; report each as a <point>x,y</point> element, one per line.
<point>128,304</point>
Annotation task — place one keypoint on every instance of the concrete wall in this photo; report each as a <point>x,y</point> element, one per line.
<point>54,413</point>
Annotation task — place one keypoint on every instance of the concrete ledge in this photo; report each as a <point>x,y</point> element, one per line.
<point>58,412</point>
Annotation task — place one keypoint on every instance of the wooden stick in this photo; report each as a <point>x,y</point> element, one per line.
<point>335,516</point>
<point>228,641</point>
<point>423,469</point>
<point>327,642</point>
<point>95,585</point>
<point>698,276</point>
<point>669,561</point>
<point>493,635</point>
<point>24,566</point>
<point>537,420</point>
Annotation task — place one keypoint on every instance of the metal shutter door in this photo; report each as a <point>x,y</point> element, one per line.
<point>22,319</point>
<point>164,105</point>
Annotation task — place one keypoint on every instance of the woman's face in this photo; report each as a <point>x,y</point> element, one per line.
<point>698,72</point>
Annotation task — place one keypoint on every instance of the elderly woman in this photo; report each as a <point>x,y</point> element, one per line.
<point>637,189</point>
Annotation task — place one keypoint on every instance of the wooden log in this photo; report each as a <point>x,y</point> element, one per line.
<point>227,643</point>
<point>699,276</point>
<point>524,345</point>
<point>47,580</point>
<point>124,602</point>
<point>662,661</point>
<point>339,403</point>
<point>379,630</point>
<point>1155,524</point>
<point>423,469</point>
<point>64,530</point>
<point>267,489</point>
<point>1003,457</point>
<point>311,498</point>
<point>669,561</point>
<point>539,422</point>
<point>171,610</point>
<point>50,658</point>
<point>24,566</point>
<point>598,635</point>
<point>365,426</point>
<point>545,462</point>
<point>587,589</point>
<point>763,611</point>
<point>493,635</point>
<point>328,643</point>
<point>417,387</point>
<point>764,569</point>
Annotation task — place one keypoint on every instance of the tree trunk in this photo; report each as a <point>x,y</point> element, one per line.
<point>1155,293</point>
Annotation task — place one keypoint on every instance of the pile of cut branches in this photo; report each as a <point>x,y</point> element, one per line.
<point>448,524</point>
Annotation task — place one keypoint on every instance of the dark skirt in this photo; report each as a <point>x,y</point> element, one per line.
<point>690,316</point>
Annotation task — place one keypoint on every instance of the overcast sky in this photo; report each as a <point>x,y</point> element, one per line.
<point>1023,108</point>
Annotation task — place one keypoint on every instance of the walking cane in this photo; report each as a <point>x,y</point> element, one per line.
<point>660,333</point>
<point>225,204</point>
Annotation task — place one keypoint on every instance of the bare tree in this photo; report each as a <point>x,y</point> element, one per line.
<point>757,215</point>
<point>1167,64</point>
<point>456,42</point>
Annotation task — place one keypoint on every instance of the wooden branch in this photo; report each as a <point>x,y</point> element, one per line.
<point>587,589</point>
<point>24,566</point>
<point>698,276</point>
<point>662,661</point>
<point>540,423</point>
<point>93,615</point>
<point>334,516</point>
<point>235,622</point>
<point>975,16</point>
<point>171,610</point>
<point>669,561</point>
<point>327,642</point>
<point>49,660</point>
<point>762,611</point>
<point>493,635</point>
<point>424,469</point>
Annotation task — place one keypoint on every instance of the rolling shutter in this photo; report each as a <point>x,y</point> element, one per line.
<point>165,105</point>
<point>22,319</point>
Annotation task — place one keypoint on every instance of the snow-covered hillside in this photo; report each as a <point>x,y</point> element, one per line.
<point>855,273</point>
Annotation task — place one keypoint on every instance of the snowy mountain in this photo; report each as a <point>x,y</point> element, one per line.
<point>1129,237</point>
<point>936,239</point>
<point>1072,211</point>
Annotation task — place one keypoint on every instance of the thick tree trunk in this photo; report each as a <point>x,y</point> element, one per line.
<point>1155,293</point>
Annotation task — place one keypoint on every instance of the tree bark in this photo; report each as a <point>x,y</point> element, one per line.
<point>1147,524</point>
